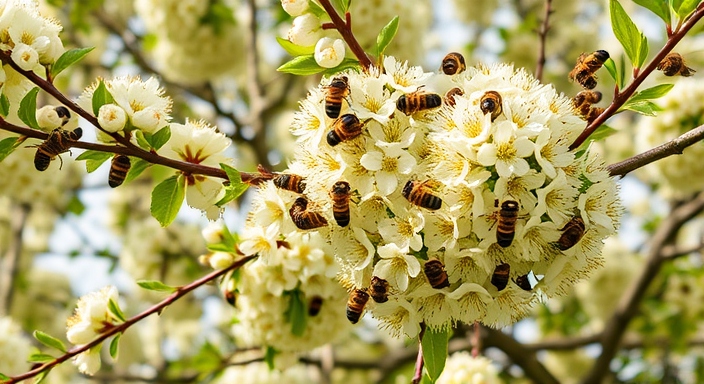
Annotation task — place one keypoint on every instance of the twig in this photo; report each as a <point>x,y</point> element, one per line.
<point>476,339</point>
<point>628,306</point>
<point>673,147</point>
<point>672,252</point>
<point>10,262</point>
<point>520,355</point>
<point>345,29</point>
<point>418,375</point>
<point>542,35</point>
<point>621,97</point>
<point>180,292</point>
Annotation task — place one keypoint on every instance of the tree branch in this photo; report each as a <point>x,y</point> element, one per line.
<point>628,306</point>
<point>520,355</point>
<point>674,147</point>
<point>542,36</point>
<point>157,308</point>
<point>621,97</point>
<point>345,29</point>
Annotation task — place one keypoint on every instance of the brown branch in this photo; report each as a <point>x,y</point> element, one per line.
<point>157,308</point>
<point>520,355</point>
<point>628,306</point>
<point>674,147</point>
<point>563,344</point>
<point>10,262</point>
<point>542,35</point>
<point>621,97</point>
<point>345,29</point>
<point>672,251</point>
<point>418,372</point>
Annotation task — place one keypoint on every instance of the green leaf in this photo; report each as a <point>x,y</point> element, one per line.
<point>161,137</point>
<point>115,310</point>
<point>610,66</point>
<point>652,93</point>
<point>316,9</point>
<point>49,340</point>
<point>167,198</point>
<point>643,53</point>
<point>207,359</point>
<point>155,285</point>
<point>385,36</point>
<point>4,377</point>
<point>28,108</point>
<point>301,65</point>
<point>94,159</point>
<point>644,107</point>
<point>659,7</point>
<point>40,358</point>
<point>434,346</point>
<point>626,32</point>
<point>40,377</point>
<point>138,166</point>
<point>4,105</point>
<point>347,62</point>
<point>341,5</point>
<point>143,139</point>
<point>114,344</point>
<point>687,7</point>
<point>69,57</point>
<point>293,49</point>
<point>101,96</point>
<point>75,205</point>
<point>7,146</point>
<point>269,355</point>
<point>236,187</point>
<point>297,312</point>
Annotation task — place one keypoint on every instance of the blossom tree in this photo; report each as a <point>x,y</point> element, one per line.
<point>317,191</point>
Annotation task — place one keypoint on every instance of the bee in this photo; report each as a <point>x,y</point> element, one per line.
<point>586,66</point>
<point>379,290</point>
<point>500,277</point>
<point>491,103</point>
<point>450,95</point>
<point>340,194</point>
<point>63,113</point>
<point>673,64</point>
<point>435,272</point>
<point>355,305</point>
<point>303,218</point>
<point>346,127</point>
<point>290,182</point>
<point>58,142</point>
<point>572,232</point>
<point>506,227</point>
<point>228,287</point>
<point>418,101</point>
<point>453,64</point>
<point>334,93</point>
<point>314,305</point>
<point>584,100</point>
<point>523,282</point>
<point>118,170</point>
<point>593,113</point>
<point>417,193</point>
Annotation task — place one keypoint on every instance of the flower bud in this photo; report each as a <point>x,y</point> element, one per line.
<point>148,120</point>
<point>305,30</point>
<point>47,118</point>
<point>329,52</point>
<point>221,260</point>
<point>25,56</point>
<point>112,118</point>
<point>295,7</point>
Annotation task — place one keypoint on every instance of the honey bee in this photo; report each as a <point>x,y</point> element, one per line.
<point>491,103</point>
<point>506,227</point>
<point>118,170</point>
<point>58,142</point>
<point>355,305</point>
<point>418,101</point>
<point>347,127</point>
<point>417,193</point>
<point>572,233</point>
<point>303,218</point>
<point>314,305</point>
<point>523,282</point>
<point>593,113</point>
<point>673,64</point>
<point>435,272</point>
<point>63,113</point>
<point>453,64</point>
<point>584,100</point>
<point>290,182</point>
<point>379,290</point>
<point>586,66</point>
<point>450,95</point>
<point>340,194</point>
<point>334,93</point>
<point>500,277</point>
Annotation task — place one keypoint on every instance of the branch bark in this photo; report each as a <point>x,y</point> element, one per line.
<point>345,29</point>
<point>542,35</point>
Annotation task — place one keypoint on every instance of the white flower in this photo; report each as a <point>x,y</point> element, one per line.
<point>556,199</point>
<point>91,317</point>
<point>295,7</point>
<point>404,231</point>
<point>259,240</point>
<point>305,30</point>
<point>14,348</point>
<point>507,152</point>
<point>462,368</point>
<point>112,118</point>
<point>396,265</point>
<point>25,56</point>
<point>371,98</point>
<point>388,166</point>
<point>329,52</point>
<point>399,316</point>
<point>88,362</point>
<point>435,306</point>
<point>221,260</point>
<point>48,119</point>
<point>403,78</point>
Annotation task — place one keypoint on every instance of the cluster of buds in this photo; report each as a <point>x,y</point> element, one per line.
<point>307,31</point>
<point>448,196</point>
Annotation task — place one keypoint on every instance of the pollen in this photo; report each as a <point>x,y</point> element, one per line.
<point>472,128</point>
<point>392,132</point>
<point>505,151</point>
<point>389,164</point>
<point>405,229</point>
<point>136,105</point>
<point>27,38</point>
<point>373,104</point>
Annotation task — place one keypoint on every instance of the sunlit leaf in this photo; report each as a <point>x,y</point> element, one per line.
<point>75,205</point>
<point>297,312</point>
<point>610,66</point>
<point>28,108</point>
<point>301,65</point>
<point>293,49</point>
<point>386,35</point>
<point>155,285</point>
<point>434,344</point>
<point>160,137</point>
<point>49,340</point>
<point>236,187</point>
<point>4,105</point>
<point>7,146</point>
<point>658,7</point>
<point>687,7</point>
<point>655,92</point>
<point>643,53</point>
<point>138,166</point>
<point>114,345</point>
<point>644,107</point>
<point>347,63</point>
<point>40,358</point>
<point>101,96</point>
<point>626,32</point>
<point>94,159</point>
<point>167,198</point>
<point>116,311</point>
<point>67,58</point>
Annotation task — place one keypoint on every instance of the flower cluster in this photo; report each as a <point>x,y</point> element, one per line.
<point>14,348</point>
<point>445,196</point>
<point>92,317</point>
<point>683,110</point>
<point>462,368</point>
<point>307,31</point>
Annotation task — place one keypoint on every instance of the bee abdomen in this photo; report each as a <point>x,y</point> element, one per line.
<point>453,63</point>
<point>341,203</point>
<point>506,227</point>
<point>415,192</point>
<point>500,277</point>
<point>379,290</point>
<point>304,219</point>
<point>523,282</point>
<point>290,182</point>
<point>572,233</point>
<point>435,272</point>
<point>314,305</point>
<point>41,159</point>
<point>346,127</point>
<point>355,305</point>
<point>118,170</point>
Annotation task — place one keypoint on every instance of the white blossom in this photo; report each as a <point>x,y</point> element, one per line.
<point>329,52</point>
